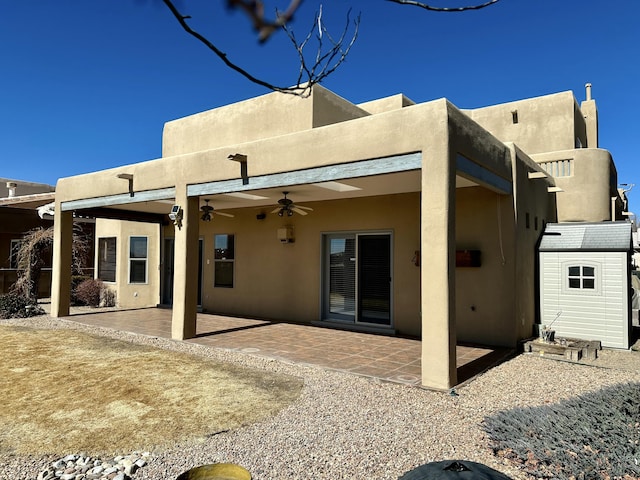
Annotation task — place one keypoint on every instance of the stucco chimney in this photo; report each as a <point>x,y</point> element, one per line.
<point>12,188</point>
<point>588,87</point>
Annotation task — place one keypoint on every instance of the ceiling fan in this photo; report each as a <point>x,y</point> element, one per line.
<point>286,207</point>
<point>207,210</point>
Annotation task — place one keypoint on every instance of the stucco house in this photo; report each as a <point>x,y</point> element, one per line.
<point>387,216</point>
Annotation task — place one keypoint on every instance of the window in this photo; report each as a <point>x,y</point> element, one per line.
<point>107,259</point>
<point>13,257</point>
<point>582,277</point>
<point>138,259</point>
<point>224,256</point>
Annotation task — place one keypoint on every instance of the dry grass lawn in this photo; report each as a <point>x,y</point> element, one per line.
<point>64,391</point>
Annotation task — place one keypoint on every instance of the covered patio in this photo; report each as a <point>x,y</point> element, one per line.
<point>396,194</point>
<point>388,358</point>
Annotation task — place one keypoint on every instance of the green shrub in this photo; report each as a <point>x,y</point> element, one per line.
<point>592,436</point>
<point>15,305</point>
<point>88,292</point>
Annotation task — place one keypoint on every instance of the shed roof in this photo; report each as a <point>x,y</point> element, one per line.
<point>602,236</point>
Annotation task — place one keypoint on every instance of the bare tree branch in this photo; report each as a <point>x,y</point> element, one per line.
<point>307,76</point>
<point>431,8</point>
<point>330,52</point>
<point>326,62</point>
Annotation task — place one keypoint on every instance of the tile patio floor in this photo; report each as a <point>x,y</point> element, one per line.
<point>389,358</point>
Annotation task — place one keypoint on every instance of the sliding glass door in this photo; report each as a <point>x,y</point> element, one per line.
<point>357,286</point>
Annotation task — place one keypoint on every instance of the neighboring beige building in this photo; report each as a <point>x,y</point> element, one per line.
<point>415,219</point>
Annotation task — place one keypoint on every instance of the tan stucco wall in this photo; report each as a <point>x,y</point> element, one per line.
<point>267,116</point>
<point>485,295</point>
<point>402,131</point>
<point>138,294</point>
<point>587,193</point>
<point>283,281</point>
<point>590,115</point>
<point>534,207</point>
<point>545,124</point>
<point>386,104</point>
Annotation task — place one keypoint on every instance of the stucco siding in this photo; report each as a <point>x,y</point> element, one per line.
<point>598,314</point>
<point>485,295</point>
<point>266,116</point>
<point>543,124</point>
<point>132,295</point>
<point>284,281</point>
<point>593,176</point>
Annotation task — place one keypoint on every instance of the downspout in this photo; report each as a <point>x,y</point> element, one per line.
<point>613,209</point>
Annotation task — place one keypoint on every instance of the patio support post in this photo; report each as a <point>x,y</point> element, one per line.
<point>62,258</point>
<point>185,269</point>
<point>438,283</point>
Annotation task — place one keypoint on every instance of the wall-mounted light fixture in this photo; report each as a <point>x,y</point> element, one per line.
<point>285,234</point>
<point>176,215</point>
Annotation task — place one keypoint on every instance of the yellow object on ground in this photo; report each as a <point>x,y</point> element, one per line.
<point>216,471</point>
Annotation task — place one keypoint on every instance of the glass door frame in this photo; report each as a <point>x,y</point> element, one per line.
<point>354,319</point>
<point>168,258</point>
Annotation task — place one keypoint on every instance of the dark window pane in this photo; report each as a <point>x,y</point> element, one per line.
<point>588,283</point>
<point>138,247</point>
<point>574,271</point>
<point>107,259</point>
<point>224,247</point>
<point>138,271</point>
<point>223,274</point>
<point>574,283</point>
<point>588,271</point>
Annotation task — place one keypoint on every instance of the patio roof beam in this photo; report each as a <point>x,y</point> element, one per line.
<point>117,214</point>
<point>477,173</point>
<point>363,168</point>
<point>120,199</point>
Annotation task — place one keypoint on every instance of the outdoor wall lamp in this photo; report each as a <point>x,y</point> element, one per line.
<point>176,215</point>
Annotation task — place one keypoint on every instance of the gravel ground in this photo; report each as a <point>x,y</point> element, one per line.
<point>350,427</point>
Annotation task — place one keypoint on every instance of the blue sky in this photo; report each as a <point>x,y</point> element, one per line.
<point>88,85</point>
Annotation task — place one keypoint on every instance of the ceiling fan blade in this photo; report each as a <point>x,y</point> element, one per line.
<point>277,210</point>
<point>304,208</point>
<point>298,211</point>
<point>224,214</point>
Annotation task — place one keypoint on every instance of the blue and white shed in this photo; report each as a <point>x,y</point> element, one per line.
<point>585,281</point>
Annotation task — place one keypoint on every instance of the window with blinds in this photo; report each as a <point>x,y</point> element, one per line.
<point>358,278</point>
<point>107,259</point>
